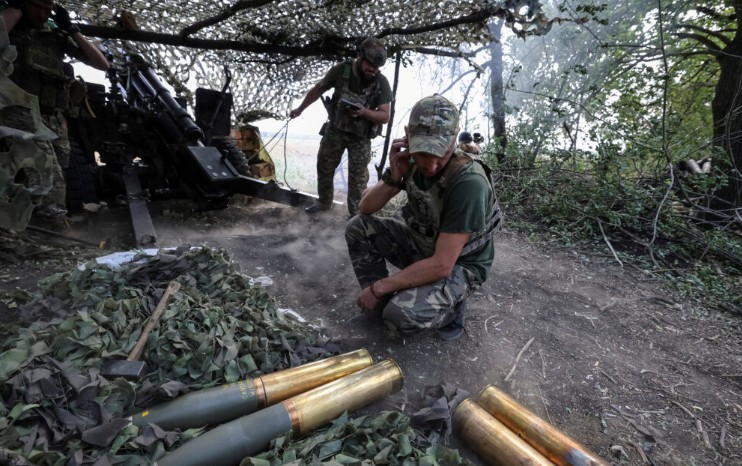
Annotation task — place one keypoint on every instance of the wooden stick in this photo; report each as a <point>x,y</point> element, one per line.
<point>608,242</point>
<point>641,452</point>
<point>487,320</point>
<point>699,428</point>
<point>517,358</point>
<point>683,408</point>
<point>612,303</point>
<point>543,364</point>
<point>136,352</point>
<point>608,377</point>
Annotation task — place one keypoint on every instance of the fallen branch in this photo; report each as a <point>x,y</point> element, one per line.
<point>517,358</point>
<point>608,242</point>
<point>641,452</point>
<point>543,364</point>
<point>608,377</point>
<point>590,318</point>
<point>611,304</point>
<point>487,320</point>
<point>687,411</point>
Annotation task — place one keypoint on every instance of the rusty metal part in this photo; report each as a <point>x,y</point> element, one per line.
<point>221,404</point>
<point>491,440</point>
<point>547,439</point>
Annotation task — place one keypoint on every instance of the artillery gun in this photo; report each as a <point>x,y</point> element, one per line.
<point>137,142</point>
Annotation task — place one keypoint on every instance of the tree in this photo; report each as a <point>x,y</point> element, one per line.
<point>712,37</point>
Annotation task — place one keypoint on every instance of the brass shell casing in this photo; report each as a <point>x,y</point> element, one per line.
<point>279,386</point>
<point>547,439</point>
<point>491,440</point>
<point>227,402</point>
<point>319,406</point>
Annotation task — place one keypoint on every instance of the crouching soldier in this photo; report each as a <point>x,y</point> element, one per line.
<point>441,240</point>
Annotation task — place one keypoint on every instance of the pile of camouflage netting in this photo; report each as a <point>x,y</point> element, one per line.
<point>56,408</point>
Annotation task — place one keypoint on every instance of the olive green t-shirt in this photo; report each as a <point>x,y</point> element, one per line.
<point>334,78</point>
<point>465,206</point>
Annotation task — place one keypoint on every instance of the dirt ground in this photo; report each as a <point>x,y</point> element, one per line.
<point>605,353</point>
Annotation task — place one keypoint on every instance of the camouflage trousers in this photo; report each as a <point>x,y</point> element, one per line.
<point>57,122</point>
<point>331,149</point>
<point>372,241</point>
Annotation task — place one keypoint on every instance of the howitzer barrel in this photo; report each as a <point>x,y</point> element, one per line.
<point>491,440</point>
<point>228,444</point>
<point>221,404</point>
<point>548,440</point>
<point>177,124</point>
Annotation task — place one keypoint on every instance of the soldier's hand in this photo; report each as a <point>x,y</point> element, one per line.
<point>62,18</point>
<point>399,157</point>
<point>294,113</point>
<point>368,303</point>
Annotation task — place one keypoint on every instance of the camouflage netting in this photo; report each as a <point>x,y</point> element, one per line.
<point>277,49</point>
<point>56,408</point>
<point>384,439</point>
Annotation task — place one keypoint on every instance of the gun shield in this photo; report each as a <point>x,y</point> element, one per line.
<point>491,440</point>
<point>228,444</point>
<point>227,402</point>
<point>548,440</point>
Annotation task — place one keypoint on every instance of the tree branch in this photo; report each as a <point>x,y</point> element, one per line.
<point>328,47</point>
<point>710,45</point>
<point>223,16</point>
<point>715,34</point>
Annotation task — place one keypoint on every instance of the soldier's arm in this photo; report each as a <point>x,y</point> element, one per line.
<point>379,116</point>
<point>448,247</point>
<point>93,56</point>
<point>376,197</point>
<point>311,97</point>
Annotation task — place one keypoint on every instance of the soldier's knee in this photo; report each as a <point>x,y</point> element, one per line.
<point>356,228</point>
<point>401,319</point>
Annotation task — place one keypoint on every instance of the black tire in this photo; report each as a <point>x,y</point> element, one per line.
<point>234,154</point>
<point>81,178</point>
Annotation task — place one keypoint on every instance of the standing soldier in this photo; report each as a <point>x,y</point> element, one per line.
<point>359,106</point>
<point>43,34</point>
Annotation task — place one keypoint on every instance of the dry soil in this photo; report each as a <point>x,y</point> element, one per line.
<point>605,353</point>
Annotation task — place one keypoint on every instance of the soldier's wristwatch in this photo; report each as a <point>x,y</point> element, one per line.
<point>386,177</point>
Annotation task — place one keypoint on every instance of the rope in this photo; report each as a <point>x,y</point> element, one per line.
<point>285,161</point>
<point>285,130</point>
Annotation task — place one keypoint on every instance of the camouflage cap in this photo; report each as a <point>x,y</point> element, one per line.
<point>434,122</point>
<point>373,50</point>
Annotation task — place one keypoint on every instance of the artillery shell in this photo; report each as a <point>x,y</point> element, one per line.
<point>228,444</point>
<point>221,404</point>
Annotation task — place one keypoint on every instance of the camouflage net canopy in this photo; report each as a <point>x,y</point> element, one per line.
<point>277,49</point>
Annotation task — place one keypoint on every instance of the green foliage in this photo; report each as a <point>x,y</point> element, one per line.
<point>601,114</point>
<point>623,197</point>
